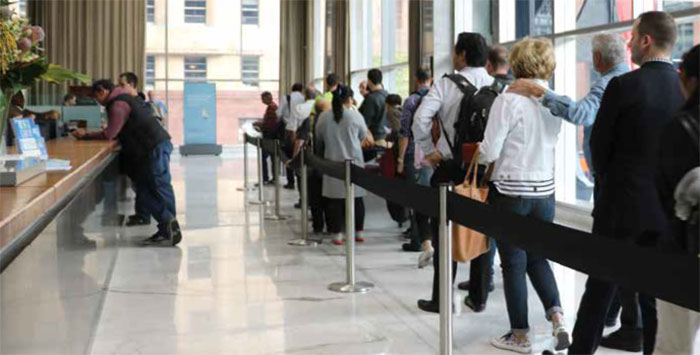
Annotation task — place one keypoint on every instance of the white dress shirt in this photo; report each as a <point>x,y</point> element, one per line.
<point>303,110</point>
<point>520,138</point>
<point>288,113</point>
<point>444,99</point>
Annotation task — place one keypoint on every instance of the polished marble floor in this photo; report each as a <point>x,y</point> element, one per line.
<point>234,285</point>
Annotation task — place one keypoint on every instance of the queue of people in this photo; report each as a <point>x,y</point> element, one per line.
<point>640,140</point>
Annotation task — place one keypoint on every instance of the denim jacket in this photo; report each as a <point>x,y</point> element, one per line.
<point>584,111</point>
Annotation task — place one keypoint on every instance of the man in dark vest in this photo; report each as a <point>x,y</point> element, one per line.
<point>146,147</point>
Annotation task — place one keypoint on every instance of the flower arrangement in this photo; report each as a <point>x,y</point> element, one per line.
<point>22,59</point>
<point>23,62</point>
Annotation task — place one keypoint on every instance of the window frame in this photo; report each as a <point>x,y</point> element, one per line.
<point>194,74</point>
<point>246,6</point>
<point>194,12</point>
<point>244,72</point>
<point>150,11</point>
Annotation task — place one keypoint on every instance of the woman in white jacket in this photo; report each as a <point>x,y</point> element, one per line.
<point>519,140</point>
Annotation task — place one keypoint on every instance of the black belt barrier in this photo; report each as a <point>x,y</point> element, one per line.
<point>673,277</point>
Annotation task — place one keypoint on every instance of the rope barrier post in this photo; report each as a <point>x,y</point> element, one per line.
<point>246,186</point>
<point>277,216</point>
<point>350,286</point>
<point>445,264</point>
<point>261,197</point>
<point>304,240</point>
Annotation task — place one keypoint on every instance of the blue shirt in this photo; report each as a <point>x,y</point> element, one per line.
<point>410,106</point>
<point>584,111</point>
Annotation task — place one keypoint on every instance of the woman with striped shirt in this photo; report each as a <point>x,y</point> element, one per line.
<point>519,140</point>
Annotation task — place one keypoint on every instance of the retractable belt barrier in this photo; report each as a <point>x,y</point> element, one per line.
<point>672,277</point>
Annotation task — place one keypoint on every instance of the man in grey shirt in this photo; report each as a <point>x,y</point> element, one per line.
<point>609,55</point>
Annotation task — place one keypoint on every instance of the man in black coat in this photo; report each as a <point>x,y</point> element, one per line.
<point>624,146</point>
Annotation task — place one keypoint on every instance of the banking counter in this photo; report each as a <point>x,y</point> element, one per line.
<point>56,230</point>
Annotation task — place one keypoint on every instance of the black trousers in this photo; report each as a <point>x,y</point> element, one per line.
<point>335,210</point>
<point>316,202</point>
<point>590,320</point>
<point>265,172</point>
<point>420,223</point>
<point>480,268</point>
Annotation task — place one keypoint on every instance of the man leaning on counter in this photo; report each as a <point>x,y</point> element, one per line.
<point>146,147</point>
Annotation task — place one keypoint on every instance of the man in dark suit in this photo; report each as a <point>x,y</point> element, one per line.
<point>624,148</point>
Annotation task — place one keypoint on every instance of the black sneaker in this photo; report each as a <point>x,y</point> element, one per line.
<point>412,248</point>
<point>174,232</point>
<point>626,340</point>
<point>476,308</point>
<point>464,286</point>
<point>297,205</point>
<point>429,306</point>
<point>137,220</point>
<point>289,187</point>
<point>158,239</point>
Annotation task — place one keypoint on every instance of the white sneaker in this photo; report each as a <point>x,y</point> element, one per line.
<point>560,337</point>
<point>425,258</point>
<point>508,342</point>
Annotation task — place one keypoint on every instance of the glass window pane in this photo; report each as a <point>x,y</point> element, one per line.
<point>688,36</point>
<point>533,17</point>
<point>601,12</point>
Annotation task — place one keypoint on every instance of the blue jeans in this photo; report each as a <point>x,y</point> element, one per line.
<point>517,263</point>
<point>154,187</point>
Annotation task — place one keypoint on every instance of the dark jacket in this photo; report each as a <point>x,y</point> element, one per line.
<point>625,148</point>
<point>678,154</point>
<point>372,109</point>
<point>141,133</point>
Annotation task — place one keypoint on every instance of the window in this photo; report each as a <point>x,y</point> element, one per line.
<point>249,12</point>
<point>594,13</point>
<point>250,70</point>
<point>195,11</point>
<point>195,68</point>
<point>150,11</point>
<point>150,71</point>
<point>533,18</point>
<point>22,7</point>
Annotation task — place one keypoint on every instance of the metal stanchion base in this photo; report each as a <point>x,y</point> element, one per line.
<point>358,287</point>
<point>256,202</point>
<point>304,242</point>
<point>274,217</point>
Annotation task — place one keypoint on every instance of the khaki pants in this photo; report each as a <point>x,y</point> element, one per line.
<point>678,329</point>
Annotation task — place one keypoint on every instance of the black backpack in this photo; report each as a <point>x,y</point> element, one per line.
<point>473,112</point>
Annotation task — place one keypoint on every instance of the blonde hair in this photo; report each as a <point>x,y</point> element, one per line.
<point>532,58</point>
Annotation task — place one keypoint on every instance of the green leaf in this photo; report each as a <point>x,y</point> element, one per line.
<point>56,74</point>
<point>6,2</point>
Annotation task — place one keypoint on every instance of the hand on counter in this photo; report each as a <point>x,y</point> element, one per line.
<point>79,133</point>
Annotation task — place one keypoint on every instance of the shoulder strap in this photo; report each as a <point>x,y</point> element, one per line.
<point>461,82</point>
<point>289,103</point>
<point>691,127</point>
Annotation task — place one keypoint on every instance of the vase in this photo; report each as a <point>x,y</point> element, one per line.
<point>5,97</point>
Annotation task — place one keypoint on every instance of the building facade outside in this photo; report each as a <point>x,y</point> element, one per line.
<point>231,43</point>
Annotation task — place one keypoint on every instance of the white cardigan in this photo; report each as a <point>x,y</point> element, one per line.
<point>520,137</point>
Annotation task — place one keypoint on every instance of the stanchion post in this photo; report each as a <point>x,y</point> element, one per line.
<point>350,286</point>
<point>261,197</point>
<point>445,265</point>
<point>246,185</point>
<point>304,240</point>
<point>277,216</point>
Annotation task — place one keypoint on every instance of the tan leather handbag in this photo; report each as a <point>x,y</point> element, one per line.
<point>468,244</point>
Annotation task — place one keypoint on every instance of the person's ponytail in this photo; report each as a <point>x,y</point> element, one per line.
<point>340,95</point>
